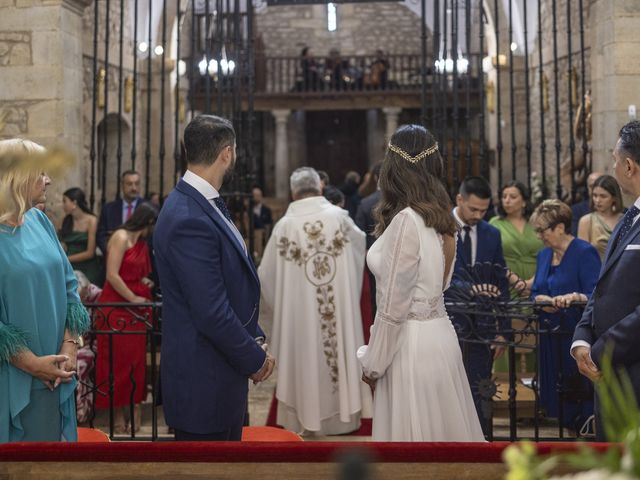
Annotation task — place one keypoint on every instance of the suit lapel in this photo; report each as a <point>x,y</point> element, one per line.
<point>612,255</point>
<point>187,189</point>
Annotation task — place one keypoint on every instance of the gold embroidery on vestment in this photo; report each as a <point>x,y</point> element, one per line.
<point>318,258</point>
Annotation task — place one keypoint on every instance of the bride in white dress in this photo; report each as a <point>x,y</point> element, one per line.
<point>413,359</point>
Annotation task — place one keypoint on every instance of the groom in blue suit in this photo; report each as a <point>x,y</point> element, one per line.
<point>479,250</point>
<point>612,316</point>
<point>211,341</point>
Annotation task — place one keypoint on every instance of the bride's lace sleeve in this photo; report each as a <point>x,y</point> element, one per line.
<point>400,260</point>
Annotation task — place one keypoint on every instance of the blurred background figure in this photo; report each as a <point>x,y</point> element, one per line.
<point>325,181</point>
<point>78,234</point>
<point>350,190</point>
<point>582,208</point>
<point>310,72</point>
<point>262,221</point>
<point>335,196</point>
<point>154,199</point>
<point>89,293</point>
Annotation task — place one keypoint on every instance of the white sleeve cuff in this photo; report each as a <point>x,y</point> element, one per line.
<point>578,343</point>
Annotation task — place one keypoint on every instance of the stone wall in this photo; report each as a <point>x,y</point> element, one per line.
<point>361,29</point>
<point>134,131</point>
<point>40,77</point>
<point>551,143</point>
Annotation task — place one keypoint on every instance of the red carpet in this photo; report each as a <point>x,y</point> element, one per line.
<point>241,452</point>
<point>363,431</point>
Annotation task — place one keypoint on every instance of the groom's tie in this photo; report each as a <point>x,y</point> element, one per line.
<point>222,206</point>
<point>627,223</point>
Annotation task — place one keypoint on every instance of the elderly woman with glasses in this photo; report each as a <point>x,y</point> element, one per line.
<point>566,272</point>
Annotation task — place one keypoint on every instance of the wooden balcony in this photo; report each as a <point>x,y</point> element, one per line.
<point>347,83</point>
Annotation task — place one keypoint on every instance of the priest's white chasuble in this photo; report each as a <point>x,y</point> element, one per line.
<point>311,275</point>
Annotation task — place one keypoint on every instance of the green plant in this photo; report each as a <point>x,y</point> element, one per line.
<point>621,422</point>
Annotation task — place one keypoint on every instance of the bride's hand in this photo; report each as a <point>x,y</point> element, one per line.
<point>370,381</point>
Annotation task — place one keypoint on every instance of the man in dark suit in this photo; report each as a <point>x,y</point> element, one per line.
<point>211,343</point>
<point>115,213</point>
<point>612,316</point>
<point>479,250</point>
<point>262,218</point>
<point>364,215</point>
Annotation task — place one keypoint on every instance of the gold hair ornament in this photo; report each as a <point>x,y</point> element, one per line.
<point>418,157</point>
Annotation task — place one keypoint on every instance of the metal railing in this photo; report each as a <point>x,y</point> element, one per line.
<point>355,74</point>
<point>113,321</point>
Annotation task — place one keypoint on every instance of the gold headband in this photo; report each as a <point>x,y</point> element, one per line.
<point>418,157</point>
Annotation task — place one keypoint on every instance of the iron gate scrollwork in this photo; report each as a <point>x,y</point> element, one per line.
<point>506,317</point>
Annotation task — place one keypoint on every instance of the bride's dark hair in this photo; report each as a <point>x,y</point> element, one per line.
<point>405,183</point>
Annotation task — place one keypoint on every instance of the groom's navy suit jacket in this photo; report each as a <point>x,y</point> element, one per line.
<point>613,312</point>
<point>210,306</point>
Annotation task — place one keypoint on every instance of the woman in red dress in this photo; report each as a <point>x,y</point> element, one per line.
<point>128,265</point>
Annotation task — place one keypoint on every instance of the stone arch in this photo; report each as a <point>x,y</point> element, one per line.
<point>107,137</point>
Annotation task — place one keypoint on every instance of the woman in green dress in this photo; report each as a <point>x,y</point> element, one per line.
<point>606,210</point>
<point>520,244</point>
<point>41,315</point>
<point>78,234</point>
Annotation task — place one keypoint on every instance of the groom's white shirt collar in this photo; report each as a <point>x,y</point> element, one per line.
<point>210,194</point>
<point>201,185</point>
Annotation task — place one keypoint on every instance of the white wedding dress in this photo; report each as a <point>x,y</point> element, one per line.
<point>422,393</point>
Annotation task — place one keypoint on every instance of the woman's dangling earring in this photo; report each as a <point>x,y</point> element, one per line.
<point>613,208</point>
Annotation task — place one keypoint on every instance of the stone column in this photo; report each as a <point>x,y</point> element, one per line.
<point>615,69</point>
<point>41,83</point>
<point>282,153</point>
<point>391,116</point>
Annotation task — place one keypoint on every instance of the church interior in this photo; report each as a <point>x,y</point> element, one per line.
<point>528,91</point>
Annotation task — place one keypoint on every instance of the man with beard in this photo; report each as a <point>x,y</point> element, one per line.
<point>212,343</point>
<point>479,268</point>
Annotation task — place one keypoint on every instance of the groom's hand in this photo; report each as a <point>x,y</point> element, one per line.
<point>265,371</point>
<point>586,366</point>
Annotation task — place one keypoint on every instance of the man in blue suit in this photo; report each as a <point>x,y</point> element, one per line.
<point>612,316</point>
<point>211,341</point>
<point>114,214</point>
<point>479,250</point>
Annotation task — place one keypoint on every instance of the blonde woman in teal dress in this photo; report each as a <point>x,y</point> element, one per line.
<point>41,315</point>
<point>520,246</point>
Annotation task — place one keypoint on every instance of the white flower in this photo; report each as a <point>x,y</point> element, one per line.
<point>595,475</point>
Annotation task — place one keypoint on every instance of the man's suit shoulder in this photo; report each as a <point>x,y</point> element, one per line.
<point>370,201</point>
<point>486,228</point>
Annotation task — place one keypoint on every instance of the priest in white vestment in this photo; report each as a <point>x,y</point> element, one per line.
<point>311,276</point>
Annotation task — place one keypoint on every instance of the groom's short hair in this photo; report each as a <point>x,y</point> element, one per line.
<point>630,140</point>
<point>205,137</point>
